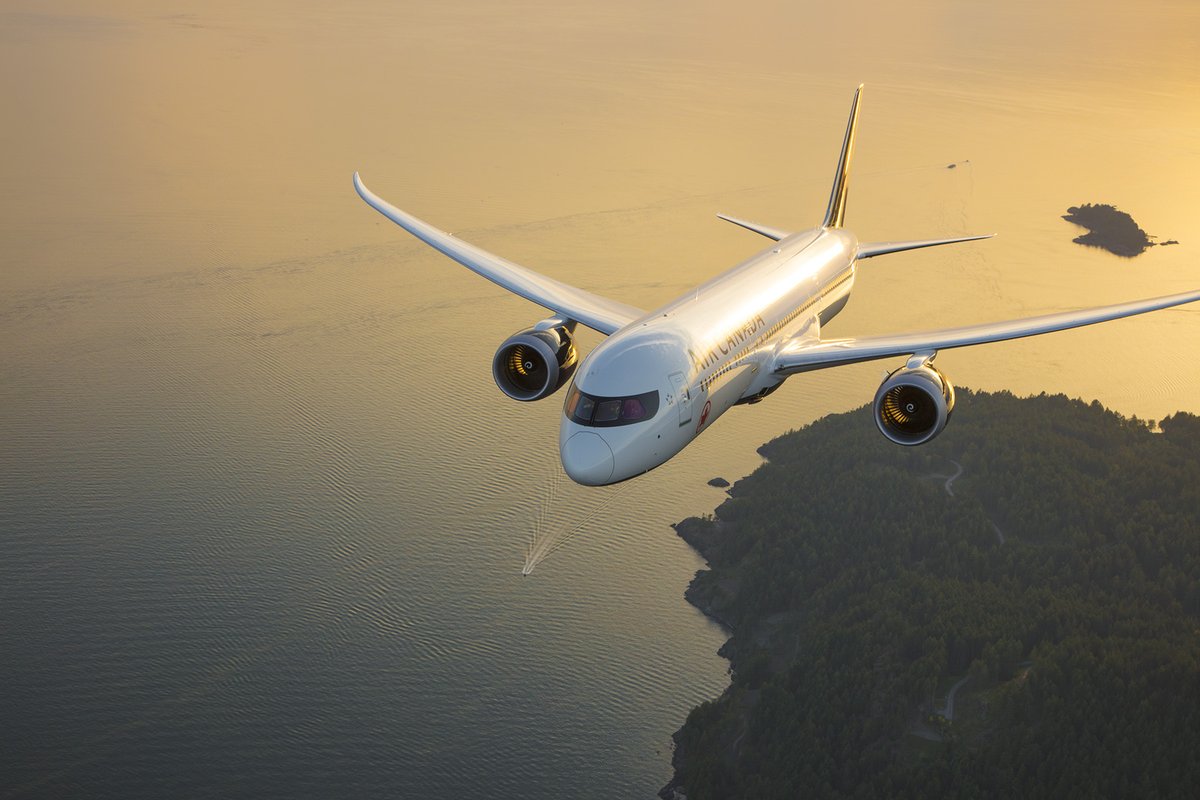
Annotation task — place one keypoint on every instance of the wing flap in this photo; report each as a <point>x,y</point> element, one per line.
<point>596,312</point>
<point>800,355</point>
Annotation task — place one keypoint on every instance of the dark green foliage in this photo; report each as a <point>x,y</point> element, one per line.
<point>1063,577</point>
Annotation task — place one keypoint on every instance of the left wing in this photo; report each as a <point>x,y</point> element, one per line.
<point>803,355</point>
<point>596,312</point>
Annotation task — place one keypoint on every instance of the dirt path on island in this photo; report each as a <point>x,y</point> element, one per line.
<point>948,709</point>
<point>949,487</point>
<point>949,484</point>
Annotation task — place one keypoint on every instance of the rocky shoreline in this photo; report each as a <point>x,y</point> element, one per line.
<point>706,538</point>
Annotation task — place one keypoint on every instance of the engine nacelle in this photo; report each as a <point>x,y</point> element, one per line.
<point>914,404</point>
<point>535,363</point>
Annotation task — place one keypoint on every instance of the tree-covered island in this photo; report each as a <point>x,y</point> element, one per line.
<point>1012,610</point>
<point>1110,229</point>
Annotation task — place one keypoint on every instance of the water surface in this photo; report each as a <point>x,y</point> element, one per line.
<point>262,512</point>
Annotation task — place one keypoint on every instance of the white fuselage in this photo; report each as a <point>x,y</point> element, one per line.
<point>661,378</point>
<point>704,352</point>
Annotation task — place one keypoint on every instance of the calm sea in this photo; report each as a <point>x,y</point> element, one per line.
<point>262,511</point>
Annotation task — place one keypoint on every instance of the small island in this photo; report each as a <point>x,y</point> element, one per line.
<point>1011,610</point>
<point>1110,229</point>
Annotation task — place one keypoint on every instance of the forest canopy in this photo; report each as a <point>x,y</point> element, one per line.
<point>1010,610</point>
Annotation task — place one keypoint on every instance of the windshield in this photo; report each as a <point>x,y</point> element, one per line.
<point>603,412</point>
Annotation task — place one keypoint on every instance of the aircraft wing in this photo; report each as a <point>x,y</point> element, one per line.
<point>598,313</point>
<point>805,354</point>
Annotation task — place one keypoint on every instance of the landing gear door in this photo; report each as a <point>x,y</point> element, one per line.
<point>685,397</point>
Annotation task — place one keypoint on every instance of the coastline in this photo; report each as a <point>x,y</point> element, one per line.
<point>982,586</point>
<point>706,536</point>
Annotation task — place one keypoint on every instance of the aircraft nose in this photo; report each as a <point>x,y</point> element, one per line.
<point>588,459</point>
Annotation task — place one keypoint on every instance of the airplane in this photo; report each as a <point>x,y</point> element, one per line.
<point>663,377</point>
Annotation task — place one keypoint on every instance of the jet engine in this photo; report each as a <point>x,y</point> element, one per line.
<point>535,363</point>
<point>914,404</point>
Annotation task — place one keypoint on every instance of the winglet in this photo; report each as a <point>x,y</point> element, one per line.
<point>836,213</point>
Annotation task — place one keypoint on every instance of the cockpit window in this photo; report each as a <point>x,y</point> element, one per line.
<point>605,412</point>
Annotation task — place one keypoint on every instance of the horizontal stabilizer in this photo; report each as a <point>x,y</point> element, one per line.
<point>873,249</point>
<point>763,230</point>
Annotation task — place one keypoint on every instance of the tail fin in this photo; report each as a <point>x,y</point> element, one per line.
<point>836,212</point>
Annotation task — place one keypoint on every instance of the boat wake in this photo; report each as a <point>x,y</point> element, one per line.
<point>551,531</point>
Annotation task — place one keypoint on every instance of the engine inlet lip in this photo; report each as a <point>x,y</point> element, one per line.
<point>533,364</point>
<point>913,406</point>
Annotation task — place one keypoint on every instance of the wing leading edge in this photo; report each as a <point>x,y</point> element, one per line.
<point>596,312</point>
<point>802,355</point>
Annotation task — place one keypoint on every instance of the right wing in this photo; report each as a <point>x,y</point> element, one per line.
<point>805,354</point>
<point>598,313</point>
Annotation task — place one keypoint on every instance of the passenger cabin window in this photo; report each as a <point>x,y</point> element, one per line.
<point>607,412</point>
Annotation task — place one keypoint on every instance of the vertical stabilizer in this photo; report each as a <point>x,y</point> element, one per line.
<point>836,212</point>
